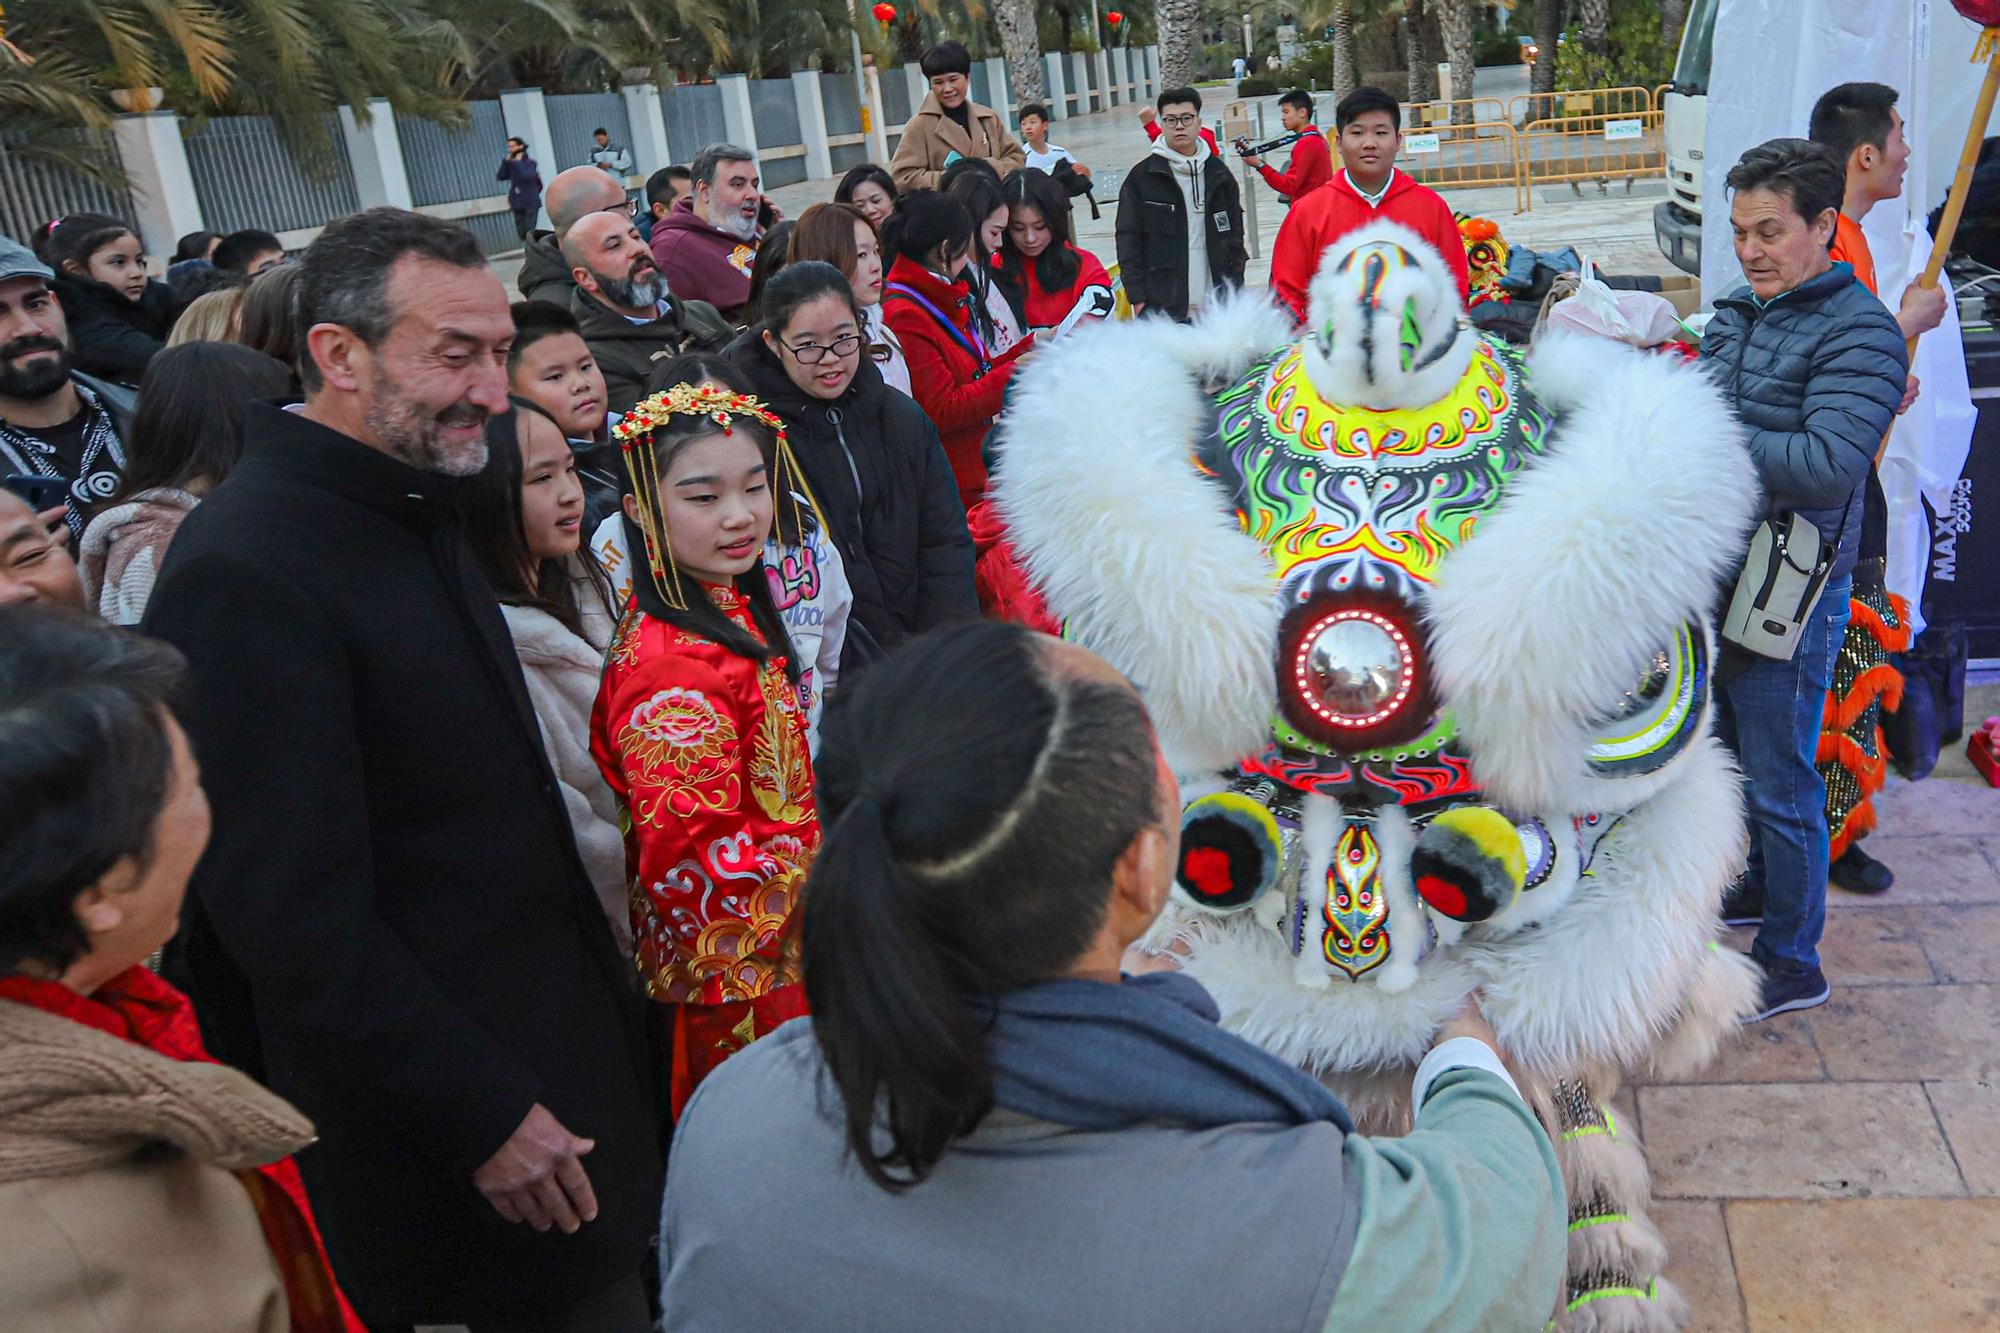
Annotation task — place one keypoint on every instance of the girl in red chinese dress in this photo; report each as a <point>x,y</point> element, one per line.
<point>699,725</point>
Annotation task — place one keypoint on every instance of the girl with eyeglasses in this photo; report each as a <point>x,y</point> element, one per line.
<point>870,455</point>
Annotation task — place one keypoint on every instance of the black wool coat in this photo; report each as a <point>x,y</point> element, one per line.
<point>1153,234</point>
<point>874,463</point>
<point>392,925</point>
<point>115,338</point>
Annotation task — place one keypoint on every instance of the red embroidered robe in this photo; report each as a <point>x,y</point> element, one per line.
<point>706,752</point>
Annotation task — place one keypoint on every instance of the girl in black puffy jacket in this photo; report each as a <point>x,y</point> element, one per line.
<point>118,317</point>
<point>870,455</point>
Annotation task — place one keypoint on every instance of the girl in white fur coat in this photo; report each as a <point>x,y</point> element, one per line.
<point>524,523</point>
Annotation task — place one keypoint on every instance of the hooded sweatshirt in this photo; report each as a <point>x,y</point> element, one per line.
<point>701,262</point>
<point>1188,175</point>
<point>122,549</point>
<point>544,275</point>
<point>1323,216</point>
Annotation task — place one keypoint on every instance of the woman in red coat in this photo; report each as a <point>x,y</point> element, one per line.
<point>955,376</point>
<point>1053,285</point>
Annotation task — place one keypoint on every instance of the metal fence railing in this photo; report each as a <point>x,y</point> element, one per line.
<point>1600,148</point>
<point>1525,107</point>
<point>842,99</point>
<point>33,193</point>
<point>774,110</point>
<point>246,176</point>
<point>447,166</point>
<point>1482,155</point>
<point>573,120</point>
<point>693,112</point>
<point>1462,110</point>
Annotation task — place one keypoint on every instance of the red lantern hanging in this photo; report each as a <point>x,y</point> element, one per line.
<point>1114,18</point>
<point>1983,12</point>
<point>885,14</point>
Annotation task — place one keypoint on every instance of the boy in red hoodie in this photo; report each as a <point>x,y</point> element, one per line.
<point>1310,165</point>
<point>1367,187</point>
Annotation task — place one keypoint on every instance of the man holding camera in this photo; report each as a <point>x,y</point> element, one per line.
<point>1311,163</point>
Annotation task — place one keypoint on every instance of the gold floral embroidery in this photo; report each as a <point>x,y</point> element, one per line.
<point>781,766</point>
<point>681,744</point>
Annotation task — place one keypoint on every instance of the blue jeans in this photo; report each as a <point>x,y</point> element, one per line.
<point>1769,714</point>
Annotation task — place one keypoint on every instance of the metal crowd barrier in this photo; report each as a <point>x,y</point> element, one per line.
<point>1482,155</point>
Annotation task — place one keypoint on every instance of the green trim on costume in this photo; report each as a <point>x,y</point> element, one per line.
<point>1598,1220</point>
<point>1610,1126</point>
<point>1651,1293</point>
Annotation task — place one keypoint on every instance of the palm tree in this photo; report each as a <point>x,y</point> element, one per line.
<point>1180,41</point>
<point>1342,23</point>
<point>1455,16</point>
<point>1548,36</point>
<point>1673,14</point>
<point>43,102</point>
<point>1595,18</point>
<point>1421,57</point>
<point>1021,39</point>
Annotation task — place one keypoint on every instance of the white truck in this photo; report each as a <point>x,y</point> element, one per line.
<point>1677,218</point>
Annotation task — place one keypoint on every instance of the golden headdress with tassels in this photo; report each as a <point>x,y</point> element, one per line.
<point>634,433</point>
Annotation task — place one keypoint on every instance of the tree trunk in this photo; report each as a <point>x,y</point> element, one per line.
<point>1456,18</point>
<point>1595,19</point>
<point>1180,41</point>
<point>1344,80</point>
<point>1021,40</point>
<point>1673,14</point>
<point>1421,57</point>
<point>1548,34</point>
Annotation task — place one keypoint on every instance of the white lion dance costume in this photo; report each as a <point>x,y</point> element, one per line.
<point>1422,626</point>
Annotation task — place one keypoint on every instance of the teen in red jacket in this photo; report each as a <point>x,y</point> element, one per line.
<point>1050,283</point>
<point>1311,164</point>
<point>954,375</point>
<point>1367,188</point>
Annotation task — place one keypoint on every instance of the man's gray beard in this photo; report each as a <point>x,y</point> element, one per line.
<point>740,227</point>
<point>413,436</point>
<point>634,295</point>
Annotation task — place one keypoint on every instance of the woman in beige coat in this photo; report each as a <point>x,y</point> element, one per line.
<point>142,1186</point>
<point>950,125</point>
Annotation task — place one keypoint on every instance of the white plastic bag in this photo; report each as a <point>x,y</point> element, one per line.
<point>1642,319</point>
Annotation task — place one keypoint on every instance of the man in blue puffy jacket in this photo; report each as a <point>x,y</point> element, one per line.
<point>1816,368</point>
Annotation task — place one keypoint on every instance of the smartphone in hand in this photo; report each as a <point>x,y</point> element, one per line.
<point>40,492</point>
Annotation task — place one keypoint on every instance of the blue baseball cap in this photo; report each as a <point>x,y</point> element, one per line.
<point>18,261</point>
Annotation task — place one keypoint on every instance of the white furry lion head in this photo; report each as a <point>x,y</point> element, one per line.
<point>1385,327</point>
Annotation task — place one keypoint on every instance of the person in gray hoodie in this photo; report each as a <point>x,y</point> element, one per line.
<point>1018,1131</point>
<point>1816,367</point>
<point>1180,218</point>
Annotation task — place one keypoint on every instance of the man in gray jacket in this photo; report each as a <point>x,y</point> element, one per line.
<point>1816,368</point>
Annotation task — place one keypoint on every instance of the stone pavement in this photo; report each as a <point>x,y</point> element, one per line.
<point>1838,1170</point>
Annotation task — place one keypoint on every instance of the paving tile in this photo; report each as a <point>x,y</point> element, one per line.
<point>1626,1107</point>
<point>1909,1033</point>
<point>1795,1140</point>
<point>1934,806</point>
<point>1970,1113</point>
<point>1868,1265</point>
<point>1873,948</point>
<point>1963,943</point>
<point>1778,1050</point>
<point>1698,1262</point>
<point>1930,870</point>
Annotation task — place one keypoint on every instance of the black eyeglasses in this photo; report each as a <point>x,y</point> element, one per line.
<point>1178,122</point>
<point>811,354</point>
